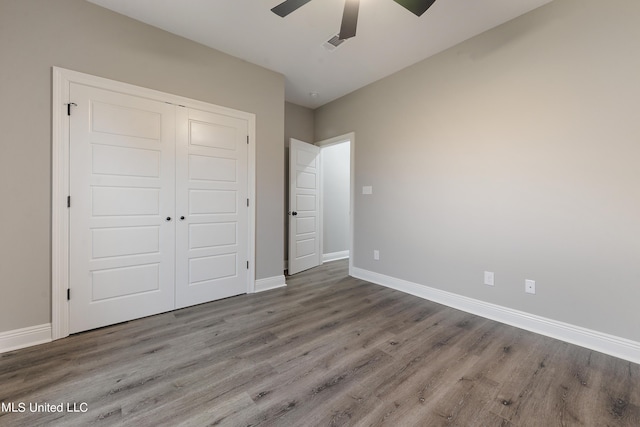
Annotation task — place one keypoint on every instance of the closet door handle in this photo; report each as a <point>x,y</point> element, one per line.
<point>182,218</point>
<point>168,218</point>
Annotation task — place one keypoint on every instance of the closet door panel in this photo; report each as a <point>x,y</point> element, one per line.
<point>122,177</point>
<point>211,189</point>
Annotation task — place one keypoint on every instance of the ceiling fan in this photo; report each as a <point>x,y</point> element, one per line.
<point>350,14</point>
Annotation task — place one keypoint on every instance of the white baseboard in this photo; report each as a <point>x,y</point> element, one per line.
<point>25,337</point>
<point>334,256</point>
<point>270,283</point>
<point>594,340</point>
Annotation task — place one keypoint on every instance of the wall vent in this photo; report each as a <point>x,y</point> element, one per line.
<point>333,42</point>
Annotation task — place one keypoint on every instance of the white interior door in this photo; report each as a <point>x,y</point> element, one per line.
<point>304,206</point>
<point>122,234</point>
<point>212,206</point>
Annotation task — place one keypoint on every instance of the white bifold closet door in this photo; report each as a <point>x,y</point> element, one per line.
<point>212,198</point>
<point>158,217</point>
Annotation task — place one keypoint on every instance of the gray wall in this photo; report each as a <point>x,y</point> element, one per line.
<point>336,167</point>
<point>298,124</point>
<point>516,152</point>
<point>38,34</point>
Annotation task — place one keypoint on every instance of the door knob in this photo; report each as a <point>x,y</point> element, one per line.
<point>168,218</point>
<point>294,213</point>
<point>182,218</point>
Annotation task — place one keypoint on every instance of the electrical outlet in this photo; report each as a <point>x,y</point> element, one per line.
<point>376,254</point>
<point>488,278</point>
<point>530,286</point>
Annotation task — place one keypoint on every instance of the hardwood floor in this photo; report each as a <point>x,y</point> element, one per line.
<point>328,350</point>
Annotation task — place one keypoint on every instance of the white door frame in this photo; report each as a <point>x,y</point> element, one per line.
<point>62,78</point>
<point>351,136</point>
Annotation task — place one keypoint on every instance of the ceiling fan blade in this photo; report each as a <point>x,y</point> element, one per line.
<point>288,6</point>
<point>417,7</point>
<point>349,19</point>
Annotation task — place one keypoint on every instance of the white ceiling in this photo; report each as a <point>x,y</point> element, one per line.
<point>389,37</point>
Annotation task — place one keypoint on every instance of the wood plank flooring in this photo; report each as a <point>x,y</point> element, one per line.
<point>328,350</point>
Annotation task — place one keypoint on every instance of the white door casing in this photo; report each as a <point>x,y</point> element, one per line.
<point>304,206</point>
<point>212,206</point>
<point>134,182</point>
<point>122,236</point>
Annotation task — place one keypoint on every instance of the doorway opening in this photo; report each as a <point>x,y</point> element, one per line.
<point>321,183</point>
<point>335,161</point>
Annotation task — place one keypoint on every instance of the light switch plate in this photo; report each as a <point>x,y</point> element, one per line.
<point>488,278</point>
<point>367,189</point>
